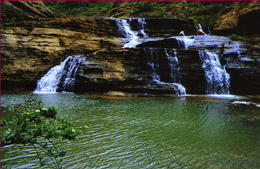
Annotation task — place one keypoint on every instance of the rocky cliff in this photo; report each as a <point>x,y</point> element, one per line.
<point>32,47</point>
<point>240,18</point>
<point>26,10</point>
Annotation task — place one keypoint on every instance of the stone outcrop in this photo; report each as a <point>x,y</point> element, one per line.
<point>164,27</point>
<point>32,47</point>
<point>124,70</point>
<point>127,70</point>
<point>26,10</point>
<point>240,18</point>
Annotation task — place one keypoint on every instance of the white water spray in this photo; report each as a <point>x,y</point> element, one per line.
<point>218,80</point>
<point>141,24</point>
<point>61,74</point>
<point>132,36</point>
<point>173,63</point>
<point>185,41</point>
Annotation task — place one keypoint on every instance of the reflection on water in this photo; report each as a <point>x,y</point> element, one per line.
<point>191,132</point>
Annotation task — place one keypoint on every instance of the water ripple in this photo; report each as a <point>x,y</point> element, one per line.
<point>148,133</point>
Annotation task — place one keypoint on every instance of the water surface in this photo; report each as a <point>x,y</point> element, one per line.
<point>181,132</point>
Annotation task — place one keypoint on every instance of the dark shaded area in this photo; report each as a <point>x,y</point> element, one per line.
<point>248,23</point>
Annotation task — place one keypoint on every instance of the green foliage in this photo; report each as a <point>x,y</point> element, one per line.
<point>205,13</point>
<point>236,37</point>
<point>80,8</point>
<point>142,6</point>
<point>39,128</point>
<point>50,112</point>
<point>162,12</point>
<point>7,21</point>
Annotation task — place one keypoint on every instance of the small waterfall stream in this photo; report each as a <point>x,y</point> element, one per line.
<point>60,77</point>
<point>185,41</point>
<point>218,80</point>
<point>173,64</point>
<point>132,36</point>
<point>141,24</point>
<point>164,74</point>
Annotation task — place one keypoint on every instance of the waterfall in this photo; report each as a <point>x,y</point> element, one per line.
<point>61,76</point>
<point>184,41</point>
<point>157,68</point>
<point>236,48</point>
<point>163,64</point>
<point>218,80</point>
<point>173,63</point>
<point>125,28</point>
<point>132,36</point>
<point>141,23</point>
<point>152,61</point>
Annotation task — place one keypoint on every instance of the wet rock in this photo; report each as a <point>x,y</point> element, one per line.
<point>32,47</point>
<point>241,62</point>
<point>164,27</point>
<point>124,70</point>
<point>163,43</point>
<point>245,104</point>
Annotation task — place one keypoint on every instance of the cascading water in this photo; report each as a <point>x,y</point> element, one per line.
<point>132,36</point>
<point>141,23</point>
<point>125,28</point>
<point>184,41</point>
<point>69,73</point>
<point>156,68</point>
<point>61,76</point>
<point>152,61</point>
<point>218,80</point>
<point>173,64</point>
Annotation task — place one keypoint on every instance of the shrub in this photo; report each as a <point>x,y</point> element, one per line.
<point>236,37</point>
<point>162,12</point>
<point>39,128</point>
<point>142,6</point>
<point>7,21</point>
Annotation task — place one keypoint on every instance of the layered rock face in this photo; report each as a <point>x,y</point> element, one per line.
<point>33,47</point>
<point>129,70</point>
<point>26,10</point>
<point>240,18</point>
<point>158,63</point>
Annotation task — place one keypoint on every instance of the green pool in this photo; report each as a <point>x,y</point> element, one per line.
<point>182,132</point>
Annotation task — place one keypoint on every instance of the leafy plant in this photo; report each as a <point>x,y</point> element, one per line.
<point>39,128</point>
<point>142,6</point>
<point>7,21</point>
<point>162,12</point>
<point>80,8</point>
<point>236,37</point>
